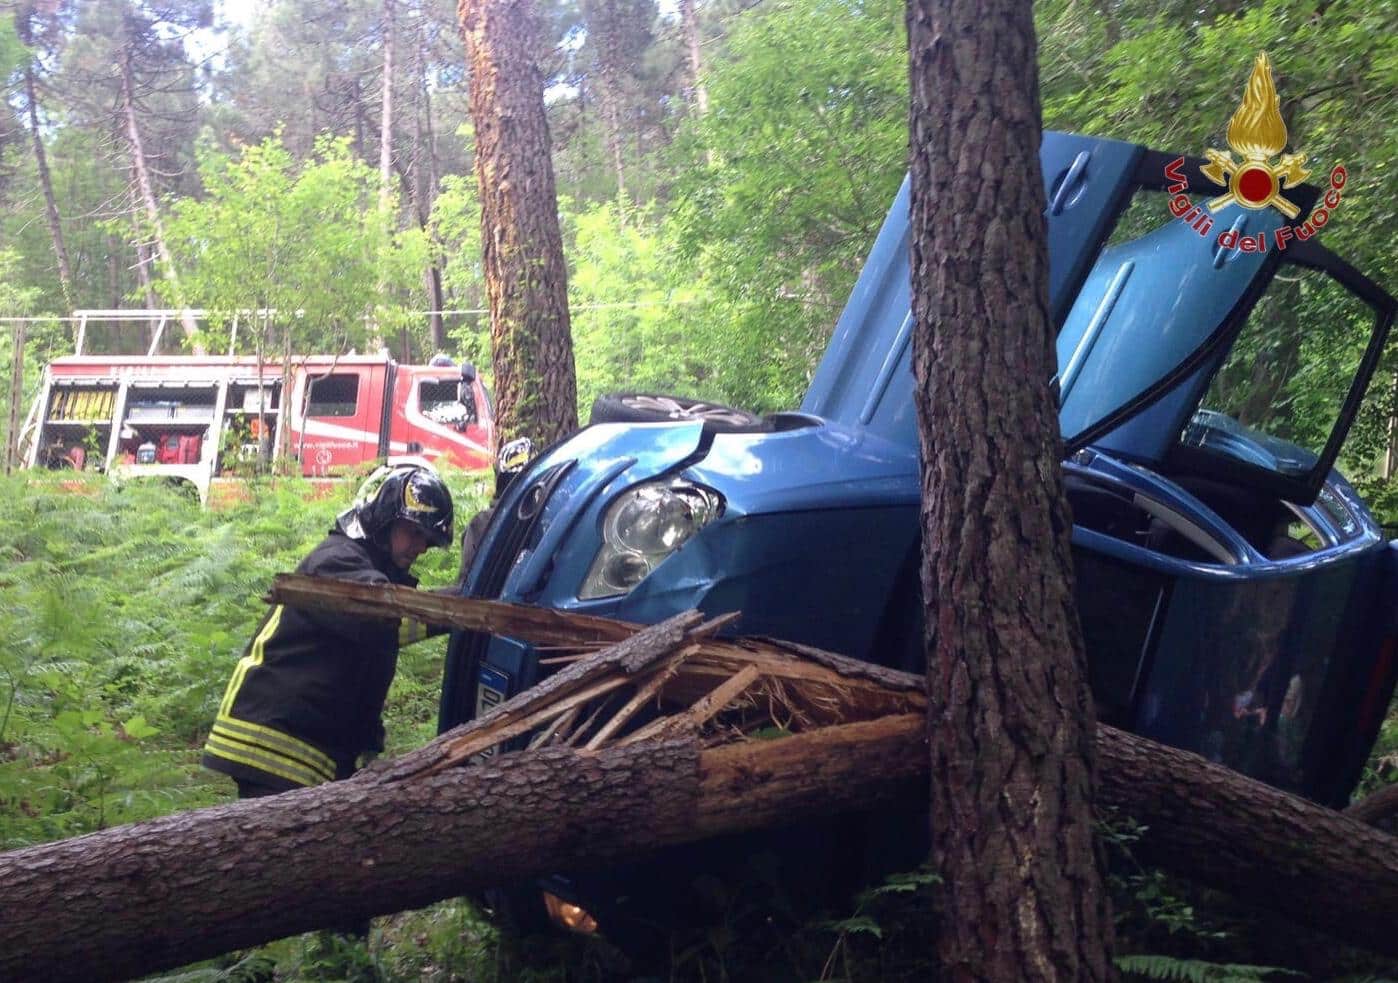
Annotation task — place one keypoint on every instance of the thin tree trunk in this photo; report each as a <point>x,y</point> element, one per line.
<point>41,164</point>
<point>143,264</point>
<point>376,340</point>
<point>147,193</point>
<point>12,460</point>
<point>521,244</point>
<point>361,147</point>
<point>425,191</point>
<point>386,113</point>
<point>113,272</point>
<point>279,447</point>
<point>604,31</point>
<point>1010,716</point>
<point>689,24</point>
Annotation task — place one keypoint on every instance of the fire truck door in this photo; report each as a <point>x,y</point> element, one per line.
<point>342,406</point>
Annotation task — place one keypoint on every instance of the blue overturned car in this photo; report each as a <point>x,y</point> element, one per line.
<point>1238,598</point>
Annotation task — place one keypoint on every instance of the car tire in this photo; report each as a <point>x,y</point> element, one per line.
<point>661,408</point>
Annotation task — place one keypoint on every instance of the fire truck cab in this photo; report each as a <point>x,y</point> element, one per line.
<point>200,418</point>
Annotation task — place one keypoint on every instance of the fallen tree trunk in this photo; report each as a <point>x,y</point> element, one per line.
<point>606,778</point>
<point>159,894</point>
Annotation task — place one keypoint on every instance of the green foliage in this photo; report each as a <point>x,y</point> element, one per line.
<point>1144,900</point>
<point>455,231</point>
<point>1196,970</point>
<point>15,297</point>
<point>786,181</point>
<point>304,239</point>
<point>126,608</point>
<point>898,907</point>
<point>631,329</point>
<point>12,51</point>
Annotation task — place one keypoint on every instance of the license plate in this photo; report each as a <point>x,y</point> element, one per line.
<point>492,685</point>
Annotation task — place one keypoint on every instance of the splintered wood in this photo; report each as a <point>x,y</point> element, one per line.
<point>677,678</point>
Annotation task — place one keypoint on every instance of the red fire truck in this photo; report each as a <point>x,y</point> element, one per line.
<point>198,418</point>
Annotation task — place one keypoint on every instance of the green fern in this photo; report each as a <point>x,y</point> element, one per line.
<point>1157,967</point>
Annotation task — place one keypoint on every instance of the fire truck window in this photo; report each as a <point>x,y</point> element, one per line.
<point>433,395</point>
<point>440,401</point>
<point>335,395</point>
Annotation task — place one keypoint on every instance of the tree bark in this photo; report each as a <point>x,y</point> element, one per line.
<point>604,29</point>
<point>386,110</point>
<point>41,164</point>
<point>1010,716</point>
<point>113,271</point>
<point>145,897</point>
<point>12,455</point>
<point>689,24</point>
<point>425,192</point>
<point>147,190</point>
<point>1377,809</point>
<point>143,265</point>
<point>521,244</point>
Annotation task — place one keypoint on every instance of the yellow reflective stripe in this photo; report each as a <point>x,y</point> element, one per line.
<point>410,631</point>
<point>254,758</point>
<point>276,742</point>
<point>253,658</point>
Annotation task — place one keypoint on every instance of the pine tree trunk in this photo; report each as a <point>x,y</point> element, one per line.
<point>386,113</point>
<point>143,265</point>
<point>425,191</point>
<point>147,191</point>
<point>113,272</point>
<point>1010,716</point>
<point>522,246</point>
<point>689,24</point>
<point>12,455</point>
<point>603,30</point>
<point>41,164</point>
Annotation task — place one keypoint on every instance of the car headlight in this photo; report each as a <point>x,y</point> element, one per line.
<point>642,527</point>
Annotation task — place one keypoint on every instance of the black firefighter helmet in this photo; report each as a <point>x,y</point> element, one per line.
<point>412,492</point>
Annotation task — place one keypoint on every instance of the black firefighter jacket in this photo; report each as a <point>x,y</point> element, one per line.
<point>307,696</point>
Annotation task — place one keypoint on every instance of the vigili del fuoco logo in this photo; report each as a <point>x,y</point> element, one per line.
<point>1254,172</point>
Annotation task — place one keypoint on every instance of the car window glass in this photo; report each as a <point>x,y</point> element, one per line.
<point>1277,397</point>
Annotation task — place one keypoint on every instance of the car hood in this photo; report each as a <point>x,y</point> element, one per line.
<point>819,465</point>
<point>865,378</point>
<point>1131,319</point>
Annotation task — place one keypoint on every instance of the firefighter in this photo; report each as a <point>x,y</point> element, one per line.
<point>306,698</point>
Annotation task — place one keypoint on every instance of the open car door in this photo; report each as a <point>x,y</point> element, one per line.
<point>1191,357</point>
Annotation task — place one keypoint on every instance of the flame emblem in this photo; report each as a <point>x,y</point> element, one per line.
<point>1257,134</point>
<point>410,500</point>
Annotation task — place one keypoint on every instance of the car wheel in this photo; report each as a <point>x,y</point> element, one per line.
<point>654,407</point>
